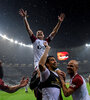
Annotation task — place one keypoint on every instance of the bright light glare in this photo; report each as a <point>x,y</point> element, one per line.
<point>87,45</point>
<point>20,43</point>
<point>11,40</point>
<point>4,37</point>
<point>31,46</point>
<point>15,41</point>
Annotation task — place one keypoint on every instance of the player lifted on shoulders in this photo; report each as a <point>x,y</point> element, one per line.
<point>38,40</point>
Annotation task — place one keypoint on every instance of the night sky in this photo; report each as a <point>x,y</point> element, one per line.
<point>43,14</point>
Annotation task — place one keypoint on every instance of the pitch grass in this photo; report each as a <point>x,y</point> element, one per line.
<point>21,95</point>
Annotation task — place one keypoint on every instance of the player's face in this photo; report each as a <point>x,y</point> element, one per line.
<point>71,68</point>
<point>40,35</point>
<point>52,62</point>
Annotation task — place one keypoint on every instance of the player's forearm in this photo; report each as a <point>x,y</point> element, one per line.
<point>27,26</point>
<point>55,30</point>
<point>44,56</point>
<point>12,89</point>
<point>65,89</point>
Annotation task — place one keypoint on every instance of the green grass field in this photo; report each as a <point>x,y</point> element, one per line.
<point>21,95</point>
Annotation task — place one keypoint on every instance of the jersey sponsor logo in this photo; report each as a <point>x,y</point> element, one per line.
<point>40,47</point>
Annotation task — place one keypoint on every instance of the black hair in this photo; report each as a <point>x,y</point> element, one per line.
<point>47,60</point>
<point>1,72</point>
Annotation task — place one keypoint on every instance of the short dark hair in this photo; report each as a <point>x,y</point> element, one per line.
<point>47,60</point>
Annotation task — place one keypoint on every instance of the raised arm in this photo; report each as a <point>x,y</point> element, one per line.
<point>60,20</point>
<point>12,89</point>
<point>43,58</point>
<point>24,15</point>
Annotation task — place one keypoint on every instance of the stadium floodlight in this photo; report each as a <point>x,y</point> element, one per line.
<point>11,40</point>
<point>24,45</point>
<point>16,41</point>
<point>4,37</point>
<point>28,46</point>
<point>20,43</point>
<point>87,45</point>
<point>31,46</point>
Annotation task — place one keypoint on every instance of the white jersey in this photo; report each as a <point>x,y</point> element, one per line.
<point>38,49</point>
<point>49,93</point>
<point>79,85</point>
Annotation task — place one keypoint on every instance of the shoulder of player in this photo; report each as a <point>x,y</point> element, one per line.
<point>77,78</point>
<point>33,38</point>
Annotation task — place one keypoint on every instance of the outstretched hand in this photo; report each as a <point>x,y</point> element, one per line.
<point>46,45</point>
<point>23,13</point>
<point>24,82</point>
<point>62,75</point>
<point>61,17</point>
